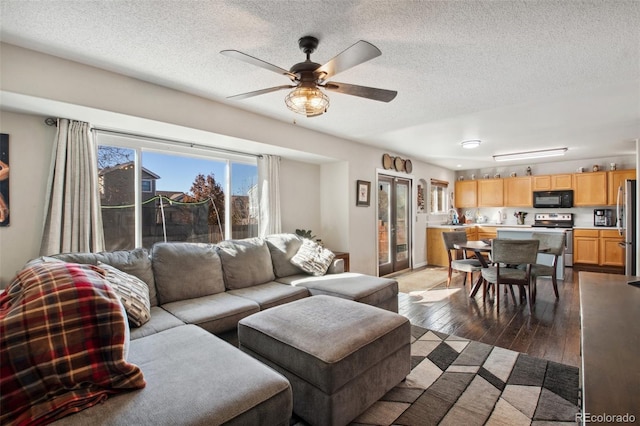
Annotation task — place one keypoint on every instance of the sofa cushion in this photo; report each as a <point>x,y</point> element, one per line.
<point>312,258</point>
<point>133,293</point>
<point>160,320</point>
<point>135,262</point>
<point>348,285</point>
<point>186,271</point>
<point>216,313</point>
<point>194,378</point>
<point>271,294</point>
<point>245,262</point>
<point>282,248</point>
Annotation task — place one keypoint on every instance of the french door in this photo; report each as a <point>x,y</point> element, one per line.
<point>394,224</point>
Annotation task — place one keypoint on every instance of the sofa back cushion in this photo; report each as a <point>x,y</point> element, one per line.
<point>186,271</point>
<point>282,248</point>
<point>135,262</point>
<point>245,262</point>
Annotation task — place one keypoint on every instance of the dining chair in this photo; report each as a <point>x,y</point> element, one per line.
<point>555,243</point>
<point>513,260</point>
<point>469,266</point>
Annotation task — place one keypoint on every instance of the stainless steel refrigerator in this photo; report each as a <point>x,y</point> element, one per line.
<point>627,218</point>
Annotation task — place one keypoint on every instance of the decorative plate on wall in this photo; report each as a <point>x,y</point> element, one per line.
<point>408,167</point>
<point>387,162</point>
<point>399,164</point>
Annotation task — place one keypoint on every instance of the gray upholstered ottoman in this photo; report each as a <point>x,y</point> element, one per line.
<point>339,355</point>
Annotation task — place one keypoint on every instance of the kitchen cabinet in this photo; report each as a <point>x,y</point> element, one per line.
<point>615,179</point>
<point>586,246</point>
<point>490,193</point>
<point>611,254</point>
<point>590,189</point>
<point>518,192</point>
<point>551,182</point>
<point>598,247</point>
<point>486,233</point>
<point>436,253</point>
<point>466,193</point>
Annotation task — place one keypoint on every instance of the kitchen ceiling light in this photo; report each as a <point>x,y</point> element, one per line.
<point>470,144</point>
<point>530,154</point>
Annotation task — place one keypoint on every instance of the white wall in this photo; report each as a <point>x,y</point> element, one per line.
<point>30,145</point>
<point>114,101</point>
<point>299,196</point>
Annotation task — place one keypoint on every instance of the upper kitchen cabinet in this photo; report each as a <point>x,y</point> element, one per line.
<point>590,189</point>
<point>466,194</point>
<point>518,192</point>
<point>551,182</point>
<point>491,193</point>
<point>615,179</point>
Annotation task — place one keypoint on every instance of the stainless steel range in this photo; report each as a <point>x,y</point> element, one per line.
<point>558,220</point>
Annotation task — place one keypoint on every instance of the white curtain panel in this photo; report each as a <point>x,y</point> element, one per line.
<point>73,219</point>
<point>269,195</point>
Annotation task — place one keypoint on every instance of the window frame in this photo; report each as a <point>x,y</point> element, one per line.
<point>141,144</point>
<point>444,185</point>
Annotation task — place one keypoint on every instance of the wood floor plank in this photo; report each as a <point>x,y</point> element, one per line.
<point>551,331</point>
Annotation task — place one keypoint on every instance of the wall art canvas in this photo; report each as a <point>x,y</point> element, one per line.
<point>4,179</point>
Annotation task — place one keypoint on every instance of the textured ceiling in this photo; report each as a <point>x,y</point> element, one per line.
<point>519,75</point>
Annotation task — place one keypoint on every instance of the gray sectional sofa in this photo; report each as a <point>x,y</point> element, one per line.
<point>199,292</point>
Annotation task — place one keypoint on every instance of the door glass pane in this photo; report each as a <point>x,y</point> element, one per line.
<point>402,221</point>
<point>116,181</point>
<point>384,215</point>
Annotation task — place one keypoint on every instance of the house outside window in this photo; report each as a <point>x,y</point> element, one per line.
<point>179,197</point>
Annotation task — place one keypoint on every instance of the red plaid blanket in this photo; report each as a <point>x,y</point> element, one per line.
<point>62,342</point>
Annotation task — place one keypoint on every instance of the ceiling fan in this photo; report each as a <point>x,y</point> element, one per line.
<point>309,77</point>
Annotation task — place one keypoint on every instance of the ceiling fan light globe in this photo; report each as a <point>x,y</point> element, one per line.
<point>309,101</point>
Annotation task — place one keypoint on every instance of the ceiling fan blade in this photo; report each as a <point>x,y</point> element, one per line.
<point>260,92</point>
<point>257,62</point>
<point>382,95</point>
<point>360,52</point>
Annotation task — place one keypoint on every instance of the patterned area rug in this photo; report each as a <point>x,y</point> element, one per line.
<point>422,280</point>
<point>456,381</point>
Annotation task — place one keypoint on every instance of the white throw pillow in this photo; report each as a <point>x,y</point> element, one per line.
<point>133,293</point>
<point>313,258</point>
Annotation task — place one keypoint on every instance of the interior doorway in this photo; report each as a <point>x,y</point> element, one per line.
<point>394,224</point>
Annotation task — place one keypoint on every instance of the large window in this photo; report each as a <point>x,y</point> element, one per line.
<point>151,195</point>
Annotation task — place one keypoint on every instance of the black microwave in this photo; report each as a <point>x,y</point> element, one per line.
<point>553,199</point>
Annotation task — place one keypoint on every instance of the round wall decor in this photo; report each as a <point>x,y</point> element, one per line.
<point>387,161</point>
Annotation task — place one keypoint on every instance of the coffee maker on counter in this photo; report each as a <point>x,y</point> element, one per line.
<point>604,217</point>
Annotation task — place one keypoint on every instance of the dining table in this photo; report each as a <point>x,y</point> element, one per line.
<point>479,247</point>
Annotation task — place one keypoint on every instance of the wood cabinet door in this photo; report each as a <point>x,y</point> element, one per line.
<point>611,254</point>
<point>590,189</point>
<point>466,193</point>
<point>615,179</point>
<point>541,183</point>
<point>490,193</point>
<point>518,192</point>
<point>487,232</point>
<point>586,246</point>
<point>561,182</point>
<point>436,253</point>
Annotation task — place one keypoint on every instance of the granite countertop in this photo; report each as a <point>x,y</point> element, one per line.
<point>469,225</point>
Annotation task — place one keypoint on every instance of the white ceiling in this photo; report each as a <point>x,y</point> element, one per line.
<point>519,75</point>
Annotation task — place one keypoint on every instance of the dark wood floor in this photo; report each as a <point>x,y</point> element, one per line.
<point>551,332</point>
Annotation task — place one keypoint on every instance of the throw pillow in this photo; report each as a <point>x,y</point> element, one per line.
<point>313,258</point>
<point>133,293</point>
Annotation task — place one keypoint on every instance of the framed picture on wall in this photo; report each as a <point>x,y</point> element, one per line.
<point>4,179</point>
<point>363,191</point>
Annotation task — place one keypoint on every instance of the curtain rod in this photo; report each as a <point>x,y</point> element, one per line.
<point>53,122</point>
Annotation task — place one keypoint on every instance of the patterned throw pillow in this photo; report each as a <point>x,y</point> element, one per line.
<point>133,293</point>
<point>313,258</point>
